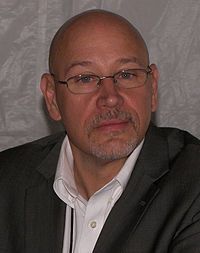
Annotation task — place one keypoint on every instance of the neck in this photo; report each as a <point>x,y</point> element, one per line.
<point>91,174</point>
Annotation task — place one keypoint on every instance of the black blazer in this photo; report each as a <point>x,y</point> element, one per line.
<point>158,212</point>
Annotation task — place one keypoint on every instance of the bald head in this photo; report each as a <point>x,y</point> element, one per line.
<point>90,23</point>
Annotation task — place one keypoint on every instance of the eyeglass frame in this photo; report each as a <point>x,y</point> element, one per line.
<point>147,71</point>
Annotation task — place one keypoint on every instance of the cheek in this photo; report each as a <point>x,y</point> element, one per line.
<point>141,103</point>
<point>71,117</point>
<point>74,110</point>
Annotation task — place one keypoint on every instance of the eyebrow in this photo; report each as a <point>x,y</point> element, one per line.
<point>78,63</point>
<point>124,60</point>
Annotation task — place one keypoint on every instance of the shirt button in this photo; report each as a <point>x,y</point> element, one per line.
<point>93,224</point>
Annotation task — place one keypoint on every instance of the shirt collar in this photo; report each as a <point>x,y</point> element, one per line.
<point>64,178</point>
<point>64,184</point>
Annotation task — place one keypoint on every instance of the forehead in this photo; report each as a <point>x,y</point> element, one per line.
<point>98,37</point>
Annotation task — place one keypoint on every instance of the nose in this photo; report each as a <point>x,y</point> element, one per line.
<point>109,95</point>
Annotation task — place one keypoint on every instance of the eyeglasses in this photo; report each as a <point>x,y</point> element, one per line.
<point>86,83</point>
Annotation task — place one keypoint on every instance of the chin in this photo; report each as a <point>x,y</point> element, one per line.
<point>113,150</point>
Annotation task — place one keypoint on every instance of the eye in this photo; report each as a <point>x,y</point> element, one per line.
<point>84,79</point>
<point>127,75</point>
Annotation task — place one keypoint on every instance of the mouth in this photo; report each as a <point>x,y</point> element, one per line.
<point>112,122</point>
<point>113,125</point>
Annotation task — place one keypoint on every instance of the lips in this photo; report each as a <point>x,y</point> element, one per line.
<point>113,125</point>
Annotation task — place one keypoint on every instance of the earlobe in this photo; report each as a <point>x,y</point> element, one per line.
<point>155,78</point>
<point>47,87</point>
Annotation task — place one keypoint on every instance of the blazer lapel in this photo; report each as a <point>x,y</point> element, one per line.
<point>44,211</point>
<point>142,188</point>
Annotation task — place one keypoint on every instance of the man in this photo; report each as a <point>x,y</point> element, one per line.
<point>113,182</point>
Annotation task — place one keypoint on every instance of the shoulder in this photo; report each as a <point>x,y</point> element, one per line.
<point>179,136</point>
<point>183,151</point>
<point>34,148</point>
<point>182,143</point>
<point>22,160</point>
<point>172,148</point>
<point>177,140</point>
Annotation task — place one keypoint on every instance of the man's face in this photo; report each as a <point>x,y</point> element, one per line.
<point>110,122</point>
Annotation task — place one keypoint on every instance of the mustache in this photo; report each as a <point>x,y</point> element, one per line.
<point>109,115</point>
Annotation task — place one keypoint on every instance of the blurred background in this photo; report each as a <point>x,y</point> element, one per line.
<point>171,29</point>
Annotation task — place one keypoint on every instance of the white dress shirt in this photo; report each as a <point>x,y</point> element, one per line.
<point>89,216</point>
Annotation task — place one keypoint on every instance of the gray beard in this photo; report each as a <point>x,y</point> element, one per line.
<point>110,151</point>
<point>113,152</point>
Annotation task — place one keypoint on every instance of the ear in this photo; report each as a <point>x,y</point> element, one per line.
<point>154,84</point>
<point>47,87</point>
